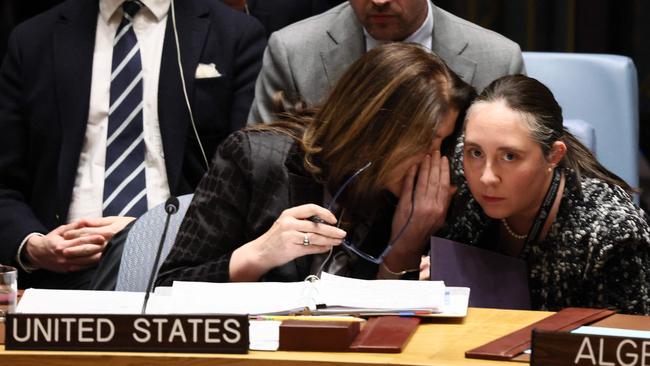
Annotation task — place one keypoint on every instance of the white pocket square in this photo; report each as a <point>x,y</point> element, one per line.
<point>207,71</point>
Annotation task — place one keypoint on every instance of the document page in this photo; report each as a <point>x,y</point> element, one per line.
<point>42,301</point>
<point>398,295</point>
<point>239,298</point>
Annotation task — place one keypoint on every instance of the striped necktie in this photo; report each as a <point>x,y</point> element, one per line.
<point>125,192</point>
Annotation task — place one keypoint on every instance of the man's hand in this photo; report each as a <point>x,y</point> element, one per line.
<point>104,226</point>
<point>74,246</point>
<point>53,252</point>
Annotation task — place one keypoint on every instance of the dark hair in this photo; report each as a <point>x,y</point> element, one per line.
<point>543,114</point>
<point>386,107</point>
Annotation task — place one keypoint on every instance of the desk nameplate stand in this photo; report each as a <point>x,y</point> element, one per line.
<point>317,336</point>
<point>514,344</point>
<point>128,333</point>
<point>384,334</point>
<point>562,348</point>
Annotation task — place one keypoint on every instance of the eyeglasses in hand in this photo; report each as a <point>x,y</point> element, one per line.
<point>350,247</point>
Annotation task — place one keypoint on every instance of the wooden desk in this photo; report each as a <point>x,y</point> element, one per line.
<point>441,342</point>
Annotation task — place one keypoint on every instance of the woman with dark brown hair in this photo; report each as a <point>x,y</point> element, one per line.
<point>533,191</point>
<point>279,199</point>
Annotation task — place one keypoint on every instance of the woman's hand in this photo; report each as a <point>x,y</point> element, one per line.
<point>292,235</point>
<point>425,268</point>
<point>433,194</point>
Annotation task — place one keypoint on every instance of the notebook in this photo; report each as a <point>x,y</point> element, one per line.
<point>495,280</point>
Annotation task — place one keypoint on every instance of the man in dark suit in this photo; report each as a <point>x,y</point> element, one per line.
<point>60,101</point>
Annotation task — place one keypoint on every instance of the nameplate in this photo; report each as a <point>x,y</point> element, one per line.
<point>137,333</point>
<point>561,348</point>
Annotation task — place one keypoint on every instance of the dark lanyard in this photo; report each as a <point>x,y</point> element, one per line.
<point>544,210</point>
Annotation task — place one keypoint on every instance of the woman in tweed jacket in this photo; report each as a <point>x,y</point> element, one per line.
<point>530,189</point>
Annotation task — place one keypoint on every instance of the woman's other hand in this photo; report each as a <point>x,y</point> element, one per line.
<point>428,185</point>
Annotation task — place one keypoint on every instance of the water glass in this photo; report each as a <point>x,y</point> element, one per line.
<point>8,290</point>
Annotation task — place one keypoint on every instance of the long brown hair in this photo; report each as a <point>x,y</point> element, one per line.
<point>543,114</point>
<point>386,107</point>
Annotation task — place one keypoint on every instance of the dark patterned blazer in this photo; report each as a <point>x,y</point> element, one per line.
<point>255,175</point>
<point>596,253</point>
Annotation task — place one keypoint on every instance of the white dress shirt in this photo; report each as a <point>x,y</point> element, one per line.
<point>149,25</point>
<point>423,36</point>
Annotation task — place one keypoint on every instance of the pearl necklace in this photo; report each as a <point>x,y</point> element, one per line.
<point>512,232</point>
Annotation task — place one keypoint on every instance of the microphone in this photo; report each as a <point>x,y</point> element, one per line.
<point>171,207</point>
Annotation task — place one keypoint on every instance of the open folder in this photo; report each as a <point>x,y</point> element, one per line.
<point>495,280</point>
<point>329,295</point>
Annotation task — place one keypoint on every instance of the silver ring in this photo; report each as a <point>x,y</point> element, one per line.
<point>305,240</point>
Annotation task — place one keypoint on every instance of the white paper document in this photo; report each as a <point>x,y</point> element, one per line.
<point>43,301</point>
<point>330,294</point>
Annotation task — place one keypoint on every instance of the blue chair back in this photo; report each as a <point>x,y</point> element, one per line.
<point>602,90</point>
<point>583,131</point>
<point>142,243</point>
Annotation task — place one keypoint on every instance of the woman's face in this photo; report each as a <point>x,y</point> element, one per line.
<point>397,175</point>
<point>506,170</point>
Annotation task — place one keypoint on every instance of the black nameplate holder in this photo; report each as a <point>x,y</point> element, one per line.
<point>562,348</point>
<point>128,333</point>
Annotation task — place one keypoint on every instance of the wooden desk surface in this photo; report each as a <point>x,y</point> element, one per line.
<point>441,342</point>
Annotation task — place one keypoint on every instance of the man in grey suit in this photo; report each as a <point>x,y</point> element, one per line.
<point>306,59</point>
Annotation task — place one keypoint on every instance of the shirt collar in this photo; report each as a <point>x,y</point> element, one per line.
<point>158,8</point>
<point>422,36</point>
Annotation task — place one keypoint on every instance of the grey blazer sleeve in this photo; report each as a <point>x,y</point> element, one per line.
<point>276,75</point>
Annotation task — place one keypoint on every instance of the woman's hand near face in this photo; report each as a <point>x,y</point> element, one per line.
<point>285,241</point>
<point>433,194</point>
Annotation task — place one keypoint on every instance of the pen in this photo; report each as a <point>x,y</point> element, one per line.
<point>316,219</point>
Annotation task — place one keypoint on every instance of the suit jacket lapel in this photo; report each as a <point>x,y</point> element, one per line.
<point>450,47</point>
<point>74,40</point>
<point>192,23</point>
<point>345,44</point>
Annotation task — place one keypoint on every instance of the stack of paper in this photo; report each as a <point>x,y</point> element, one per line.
<point>330,294</point>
